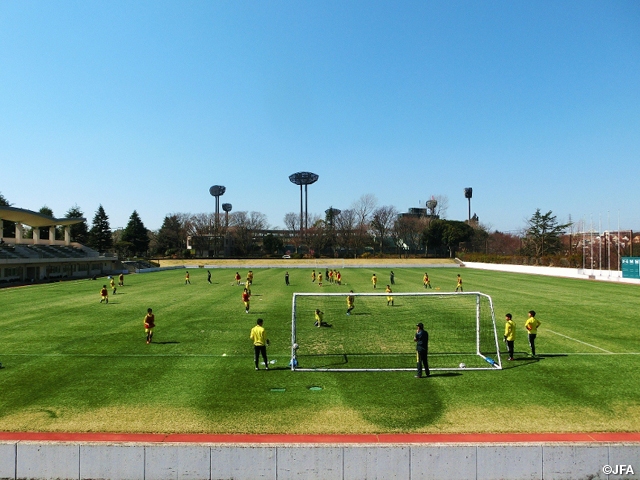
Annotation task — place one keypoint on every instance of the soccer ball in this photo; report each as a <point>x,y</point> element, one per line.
<point>462,365</point>
<point>295,346</point>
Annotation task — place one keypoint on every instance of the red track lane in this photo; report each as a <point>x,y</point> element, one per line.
<point>402,438</point>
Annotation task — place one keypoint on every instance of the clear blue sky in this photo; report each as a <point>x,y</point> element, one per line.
<point>145,105</point>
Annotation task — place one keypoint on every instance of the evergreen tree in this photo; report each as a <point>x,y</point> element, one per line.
<point>79,232</point>
<point>44,231</point>
<point>136,234</point>
<point>100,233</point>
<point>171,235</point>
<point>543,235</point>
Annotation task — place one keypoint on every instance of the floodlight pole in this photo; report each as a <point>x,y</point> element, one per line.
<point>468,192</point>
<point>217,191</point>
<point>304,178</point>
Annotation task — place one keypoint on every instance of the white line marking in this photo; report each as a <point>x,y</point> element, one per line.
<point>579,341</point>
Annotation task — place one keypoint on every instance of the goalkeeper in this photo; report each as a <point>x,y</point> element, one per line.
<point>351,299</point>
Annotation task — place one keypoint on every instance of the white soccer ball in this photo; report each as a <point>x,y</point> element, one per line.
<point>296,346</point>
<point>462,365</point>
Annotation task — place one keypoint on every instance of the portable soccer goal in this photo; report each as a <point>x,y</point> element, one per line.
<point>378,333</point>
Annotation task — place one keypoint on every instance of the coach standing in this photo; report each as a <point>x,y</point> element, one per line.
<point>422,350</point>
<point>260,342</point>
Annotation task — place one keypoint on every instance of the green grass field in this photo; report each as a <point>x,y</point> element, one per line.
<point>73,364</point>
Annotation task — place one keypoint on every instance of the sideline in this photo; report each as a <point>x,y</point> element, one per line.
<point>386,438</point>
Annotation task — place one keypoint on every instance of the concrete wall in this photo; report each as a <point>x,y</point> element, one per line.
<point>60,460</point>
<point>579,273</point>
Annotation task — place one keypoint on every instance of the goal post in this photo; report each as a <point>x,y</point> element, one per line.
<point>377,335</point>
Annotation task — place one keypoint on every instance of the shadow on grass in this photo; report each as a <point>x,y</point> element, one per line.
<point>169,342</point>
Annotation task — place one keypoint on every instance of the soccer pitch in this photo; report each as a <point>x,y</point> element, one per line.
<point>74,364</point>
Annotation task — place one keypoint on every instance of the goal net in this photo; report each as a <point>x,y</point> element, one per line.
<point>378,333</point>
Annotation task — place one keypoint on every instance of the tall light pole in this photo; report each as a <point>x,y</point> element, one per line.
<point>303,178</point>
<point>217,191</point>
<point>468,192</point>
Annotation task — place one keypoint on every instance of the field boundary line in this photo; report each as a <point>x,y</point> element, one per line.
<point>579,341</point>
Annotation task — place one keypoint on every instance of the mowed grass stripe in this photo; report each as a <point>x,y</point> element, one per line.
<point>73,364</point>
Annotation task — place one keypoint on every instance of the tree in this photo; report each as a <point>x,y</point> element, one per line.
<point>447,233</point>
<point>344,226</point>
<point>542,236</point>
<point>172,235</point>
<point>244,227</point>
<point>100,233</point>
<point>136,234</point>
<point>363,209</point>
<point>272,244</point>
<point>79,232</point>
<point>407,233</point>
<point>3,201</point>
<point>382,222</point>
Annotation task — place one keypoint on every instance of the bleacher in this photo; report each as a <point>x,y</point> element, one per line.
<point>11,251</point>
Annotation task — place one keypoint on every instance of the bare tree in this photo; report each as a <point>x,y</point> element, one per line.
<point>244,227</point>
<point>407,232</point>
<point>382,222</point>
<point>363,210</point>
<point>442,206</point>
<point>345,224</point>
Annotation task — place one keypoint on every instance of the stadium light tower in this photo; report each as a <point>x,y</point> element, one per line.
<point>217,191</point>
<point>227,208</point>
<point>468,192</point>
<point>303,178</point>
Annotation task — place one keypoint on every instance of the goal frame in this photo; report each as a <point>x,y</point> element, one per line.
<point>491,363</point>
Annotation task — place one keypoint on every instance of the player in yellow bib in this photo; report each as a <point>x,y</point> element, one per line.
<point>532,325</point>
<point>509,333</point>
<point>260,343</point>
<point>374,280</point>
<point>389,296</point>
<point>351,299</point>
<point>459,284</point>
<point>425,281</point>
<point>318,317</point>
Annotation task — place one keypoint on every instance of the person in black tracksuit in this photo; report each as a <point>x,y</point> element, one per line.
<point>422,350</point>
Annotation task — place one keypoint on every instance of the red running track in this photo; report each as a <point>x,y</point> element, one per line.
<point>387,438</point>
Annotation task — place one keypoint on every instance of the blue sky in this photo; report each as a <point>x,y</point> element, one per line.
<point>145,105</point>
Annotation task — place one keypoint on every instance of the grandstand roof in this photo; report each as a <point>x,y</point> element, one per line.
<point>34,219</point>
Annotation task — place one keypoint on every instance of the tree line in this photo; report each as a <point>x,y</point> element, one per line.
<point>363,229</point>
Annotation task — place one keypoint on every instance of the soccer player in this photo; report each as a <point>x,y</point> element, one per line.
<point>112,284</point>
<point>392,278</point>
<point>313,276</point>
<point>389,296</point>
<point>238,279</point>
<point>425,281</point>
<point>104,294</point>
<point>186,278</point>
<point>149,324</point>
<point>319,279</point>
<point>209,276</point>
<point>532,325</point>
<point>250,277</point>
<point>246,297</point>
<point>339,277</point>
<point>351,299</point>
<point>374,280</point>
<point>509,334</point>
<point>422,350</point>
<point>121,280</point>
<point>459,284</point>
<point>260,343</point>
<point>286,278</point>
<point>318,316</point>
<point>326,274</point>
<point>331,275</point>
